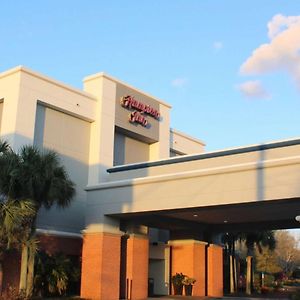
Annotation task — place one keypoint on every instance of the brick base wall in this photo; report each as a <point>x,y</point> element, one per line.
<point>100,274</point>
<point>137,267</point>
<point>54,244</point>
<point>215,271</point>
<point>188,257</point>
<point>50,244</point>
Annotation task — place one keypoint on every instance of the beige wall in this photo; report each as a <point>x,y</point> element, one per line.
<point>230,179</point>
<point>62,126</point>
<point>1,109</point>
<point>181,143</point>
<point>128,150</point>
<point>22,88</point>
<point>70,137</point>
<point>80,125</point>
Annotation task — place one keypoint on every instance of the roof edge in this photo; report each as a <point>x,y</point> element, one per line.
<point>21,68</point>
<point>218,153</point>
<point>109,77</point>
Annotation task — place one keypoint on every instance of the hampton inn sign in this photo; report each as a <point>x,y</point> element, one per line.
<point>140,109</point>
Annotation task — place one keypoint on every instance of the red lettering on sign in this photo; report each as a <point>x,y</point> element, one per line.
<point>137,117</point>
<point>130,102</point>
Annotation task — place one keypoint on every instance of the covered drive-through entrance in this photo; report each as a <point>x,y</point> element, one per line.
<point>194,198</point>
<point>181,231</point>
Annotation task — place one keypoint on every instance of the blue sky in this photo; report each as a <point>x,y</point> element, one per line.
<point>188,53</point>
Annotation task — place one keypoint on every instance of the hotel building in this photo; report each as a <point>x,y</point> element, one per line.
<point>149,201</point>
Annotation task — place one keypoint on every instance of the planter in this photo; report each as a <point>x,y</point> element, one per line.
<point>177,289</point>
<point>188,289</point>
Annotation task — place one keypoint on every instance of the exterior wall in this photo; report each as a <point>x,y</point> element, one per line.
<point>80,126</point>
<point>11,271</point>
<point>137,266</point>
<point>128,150</point>
<point>233,179</point>
<point>21,89</point>
<point>181,143</point>
<point>9,92</point>
<point>215,271</point>
<point>188,257</point>
<point>102,130</point>
<point>55,244</point>
<point>70,137</point>
<point>1,109</point>
<point>161,149</point>
<point>109,114</point>
<point>101,266</point>
<point>185,165</point>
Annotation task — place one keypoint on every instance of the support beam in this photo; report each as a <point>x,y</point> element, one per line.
<point>215,271</point>
<point>188,257</point>
<point>137,267</point>
<point>100,266</point>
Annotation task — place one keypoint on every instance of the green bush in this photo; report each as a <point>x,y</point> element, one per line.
<point>53,274</point>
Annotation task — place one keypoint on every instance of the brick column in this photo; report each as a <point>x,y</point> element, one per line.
<point>215,271</point>
<point>188,257</point>
<point>137,267</point>
<point>100,266</point>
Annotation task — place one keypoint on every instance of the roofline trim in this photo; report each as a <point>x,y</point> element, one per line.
<point>254,165</point>
<point>104,75</point>
<point>48,79</point>
<point>173,130</point>
<point>193,157</point>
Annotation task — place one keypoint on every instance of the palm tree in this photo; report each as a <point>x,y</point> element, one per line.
<point>256,239</point>
<point>38,176</point>
<point>252,239</point>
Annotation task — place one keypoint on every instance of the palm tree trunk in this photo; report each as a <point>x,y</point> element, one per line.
<point>23,273</point>
<point>1,277</point>
<point>249,277</point>
<point>232,268</point>
<point>232,273</point>
<point>30,274</point>
<point>235,274</point>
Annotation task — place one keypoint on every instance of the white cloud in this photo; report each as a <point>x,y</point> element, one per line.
<point>179,82</point>
<point>282,53</point>
<point>253,89</point>
<point>280,23</point>
<point>217,45</point>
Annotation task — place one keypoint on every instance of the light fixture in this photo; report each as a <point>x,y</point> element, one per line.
<point>195,215</point>
<point>225,221</point>
<point>297,218</point>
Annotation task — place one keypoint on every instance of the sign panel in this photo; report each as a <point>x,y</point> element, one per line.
<point>140,110</point>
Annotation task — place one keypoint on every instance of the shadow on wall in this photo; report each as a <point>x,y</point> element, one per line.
<point>54,224</point>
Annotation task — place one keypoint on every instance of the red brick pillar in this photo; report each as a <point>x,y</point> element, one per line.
<point>100,275</point>
<point>137,266</point>
<point>188,257</point>
<point>215,271</point>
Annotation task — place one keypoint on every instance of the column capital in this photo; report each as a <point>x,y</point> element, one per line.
<point>186,242</point>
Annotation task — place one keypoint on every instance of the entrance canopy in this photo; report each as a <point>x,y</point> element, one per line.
<point>249,188</point>
<point>268,215</point>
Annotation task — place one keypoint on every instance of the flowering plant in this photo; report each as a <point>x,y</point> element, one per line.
<point>188,280</point>
<point>178,278</point>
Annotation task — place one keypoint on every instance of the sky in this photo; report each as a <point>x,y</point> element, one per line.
<point>230,69</point>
